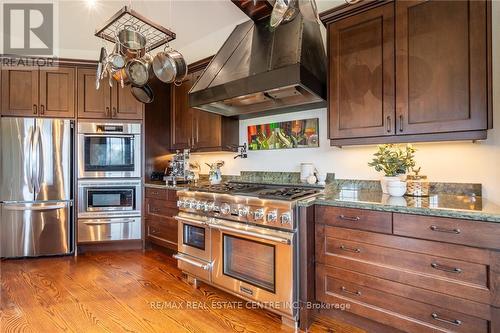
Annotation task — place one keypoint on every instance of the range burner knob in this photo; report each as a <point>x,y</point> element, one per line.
<point>286,218</point>
<point>192,204</point>
<point>225,208</point>
<point>208,206</point>
<point>258,214</point>
<point>199,205</point>
<point>272,215</point>
<point>243,211</point>
<point>180,203</point>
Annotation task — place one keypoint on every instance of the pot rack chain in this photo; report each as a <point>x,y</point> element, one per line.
<point>156,35</point>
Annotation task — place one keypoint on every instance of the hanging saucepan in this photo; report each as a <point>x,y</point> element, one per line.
<point>143,94</point>
<point>131,43</point>
<point>169,66</point>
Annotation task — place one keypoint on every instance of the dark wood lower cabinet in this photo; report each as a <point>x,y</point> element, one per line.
<point>160,209</point>
<point>368,275</point>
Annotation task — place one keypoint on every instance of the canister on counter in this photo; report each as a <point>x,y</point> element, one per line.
<point>417,185</point>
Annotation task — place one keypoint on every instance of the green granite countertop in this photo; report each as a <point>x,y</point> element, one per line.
<point>469,207</point>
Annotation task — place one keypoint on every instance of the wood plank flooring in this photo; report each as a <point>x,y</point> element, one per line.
<point>127,291</point>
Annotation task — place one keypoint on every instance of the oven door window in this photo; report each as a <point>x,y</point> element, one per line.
<point>109,153</point>
<point>250,261</point>
<point>110,199</point>
<point>193,236</point>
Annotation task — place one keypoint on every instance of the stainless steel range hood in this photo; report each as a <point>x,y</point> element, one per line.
<point>259,72</point>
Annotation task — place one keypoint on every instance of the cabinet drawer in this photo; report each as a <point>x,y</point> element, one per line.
<point>160,208</point>
<point>161,194</point>
<point>330,288</point>
<point>398,259</point>
<point>480,234</point>
<point>162,229</point>
<point>355,218</point>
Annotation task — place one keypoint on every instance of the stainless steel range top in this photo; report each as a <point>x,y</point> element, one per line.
<point>261,204</point>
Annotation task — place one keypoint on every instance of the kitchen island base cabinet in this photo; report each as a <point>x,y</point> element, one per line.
<point>407,279</point>
<point>161,227</point>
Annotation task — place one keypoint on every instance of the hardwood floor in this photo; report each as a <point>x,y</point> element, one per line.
<point>128,291</point>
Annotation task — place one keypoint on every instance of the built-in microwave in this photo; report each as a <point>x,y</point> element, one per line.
<point>109,198</point>
<point>109,150</point>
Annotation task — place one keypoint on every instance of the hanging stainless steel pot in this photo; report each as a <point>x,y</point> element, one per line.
<point>131,43</point>
<point>170,66</point>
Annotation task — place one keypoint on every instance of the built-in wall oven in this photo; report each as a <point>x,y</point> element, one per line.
<point>109,150</point>
<point>109,197</point>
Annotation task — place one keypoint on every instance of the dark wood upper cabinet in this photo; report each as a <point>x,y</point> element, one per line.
<point>125,105</point>
<point>92,103</point>
<point>38,92</point>
<point>57,92</point>
<point>407,71</point>
<point>20,92</point>
<point>182,115</point>
<point>361,74</point>
<point>441,66</point>
<point>196,129</point>
<point>107,102</point>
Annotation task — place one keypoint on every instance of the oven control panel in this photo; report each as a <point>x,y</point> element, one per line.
<point>278,216</point>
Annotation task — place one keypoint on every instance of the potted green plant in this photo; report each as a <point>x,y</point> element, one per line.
<point>394,161</point>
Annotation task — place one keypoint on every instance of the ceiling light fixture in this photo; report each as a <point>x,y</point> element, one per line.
<point>91,4</point>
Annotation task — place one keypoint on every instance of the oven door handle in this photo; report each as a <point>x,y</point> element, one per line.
<point>205,267</point>
<point>117,135</point>
<point>104,222</point>
<point>252,234</point>
<point>188,220</point>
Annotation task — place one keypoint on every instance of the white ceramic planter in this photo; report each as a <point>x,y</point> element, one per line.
<point>385,180</point>
<point>396,188</point>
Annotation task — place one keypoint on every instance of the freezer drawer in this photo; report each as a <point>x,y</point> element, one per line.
<point>99,230</point>
<point>35,229</point>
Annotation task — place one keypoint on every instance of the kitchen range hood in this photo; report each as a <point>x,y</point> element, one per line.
<point>261,72</point>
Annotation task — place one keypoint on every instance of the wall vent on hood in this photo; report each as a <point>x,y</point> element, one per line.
<point>260,72</point>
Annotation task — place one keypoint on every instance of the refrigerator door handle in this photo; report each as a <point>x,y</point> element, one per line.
<point>41,161</point>
<point>36,162</point>
<point>28,159</point>
<point>34,207</point>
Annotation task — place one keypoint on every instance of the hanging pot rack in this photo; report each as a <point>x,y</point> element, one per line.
<point>155,34</point>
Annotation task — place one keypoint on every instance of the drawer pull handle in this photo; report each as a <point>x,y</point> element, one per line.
<point>450,231</point>
<point>154,193</point>
<point>349,249</point>
<point>446,268</point>
<point>455,322</point>
<point>347,291</point>
<point>349,218</point>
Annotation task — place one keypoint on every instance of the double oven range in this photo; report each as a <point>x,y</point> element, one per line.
<point>109,181</point>
<point>242,238</point>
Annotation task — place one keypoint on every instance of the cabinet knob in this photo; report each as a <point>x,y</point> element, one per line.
<point>114,112</point>
<point>35,109</point>
<point>107,112</point>
<point>388,125</point>
<point>42,109</point>
<point>401,123</point>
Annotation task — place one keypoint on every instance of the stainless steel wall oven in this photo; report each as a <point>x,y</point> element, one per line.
<point>109,150</point>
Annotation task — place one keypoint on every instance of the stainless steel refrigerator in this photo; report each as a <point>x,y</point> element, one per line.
<point>35,187</point>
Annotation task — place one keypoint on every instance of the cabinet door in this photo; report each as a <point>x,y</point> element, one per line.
<point>57,92</point>
<point>92,103</point>
<point>441,66</point>
<point>19,92</point>
<point>182,115</point>
<point>125,106</point>
<point>361,74</point>
<point>207,129</point>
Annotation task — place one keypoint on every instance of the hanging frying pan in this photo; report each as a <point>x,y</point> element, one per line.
<point>143,94</point>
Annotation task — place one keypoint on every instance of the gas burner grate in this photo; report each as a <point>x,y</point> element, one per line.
<point>287,193</point>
